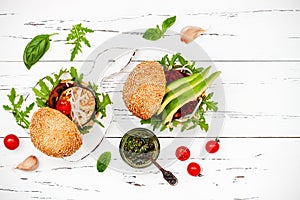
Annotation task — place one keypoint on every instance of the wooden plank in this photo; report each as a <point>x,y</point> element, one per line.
<point>248,165</point>
<point>261,98</point>
<point>247,31</point>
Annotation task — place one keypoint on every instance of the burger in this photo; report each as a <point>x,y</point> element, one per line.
<point>68,108</point>
<point>170,93</point>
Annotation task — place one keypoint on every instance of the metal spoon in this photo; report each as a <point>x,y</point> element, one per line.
<point>168,176</point>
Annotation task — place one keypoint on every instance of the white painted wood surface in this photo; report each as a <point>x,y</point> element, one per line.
<point>255,44</point>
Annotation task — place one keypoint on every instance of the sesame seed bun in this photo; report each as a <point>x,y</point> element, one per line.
<point>144,89</point>
<point>53,133</point>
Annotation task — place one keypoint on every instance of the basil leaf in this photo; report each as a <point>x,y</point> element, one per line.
<point>35,49</point>
<point>152,34</point>
<point>103,161</point>
<point>157,33</point>
<point>168,23</point>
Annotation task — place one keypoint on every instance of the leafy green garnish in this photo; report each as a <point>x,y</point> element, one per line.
<point>100,104</point>
<point>198,119</point>
<point>103,161</point>
<point>177,61</point>
<point>155,121</point>
<point>76,37</point>
<point>157,32</point>
<point>35,49</point>
<point>75,77</point>
<point>46,85</point>
<point>20,115</point>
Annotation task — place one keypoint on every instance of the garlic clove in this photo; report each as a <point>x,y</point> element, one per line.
<point>189,33</point>
<point>29,164</point>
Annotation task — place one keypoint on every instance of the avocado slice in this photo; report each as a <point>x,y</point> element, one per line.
<point>186,97</point>
<point>183,86</point>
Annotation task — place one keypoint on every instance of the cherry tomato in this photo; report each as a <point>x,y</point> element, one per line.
<point>212,146</point>
<point>182,153</point>
<point>11,141</point>
<point>64,106</point>
<point>194,169</point>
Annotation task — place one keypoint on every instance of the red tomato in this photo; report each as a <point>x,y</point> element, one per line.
<point>212,146</point>
<point>194,169</point>
<point>64,106</point>
<point>11,141</point>
<point>182,153</point>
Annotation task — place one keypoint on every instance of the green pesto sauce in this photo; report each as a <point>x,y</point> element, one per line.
<point>137,146</point>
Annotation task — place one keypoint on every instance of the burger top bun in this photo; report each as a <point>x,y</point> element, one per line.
<point>144,89</point>
<point>53,133</point>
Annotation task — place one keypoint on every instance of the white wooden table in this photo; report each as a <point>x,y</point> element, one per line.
<point>255,44</point>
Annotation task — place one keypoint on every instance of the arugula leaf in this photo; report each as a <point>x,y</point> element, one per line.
<point>177,61</point>
<point>74,75</point>
<point>20,115</point>
<point>85,129</point>
<point>43,89</point>
<point>199,117</point>
<point>76,37</point>
<point>157,32</point>
<point>100,105</point>
<point>155,121</point>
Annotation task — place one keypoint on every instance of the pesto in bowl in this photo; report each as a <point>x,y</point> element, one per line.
<point>137,145</point>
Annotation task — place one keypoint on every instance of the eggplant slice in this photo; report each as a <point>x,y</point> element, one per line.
<point>83,104</point>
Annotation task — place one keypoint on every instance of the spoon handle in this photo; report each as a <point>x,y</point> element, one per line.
<point>168,176</point>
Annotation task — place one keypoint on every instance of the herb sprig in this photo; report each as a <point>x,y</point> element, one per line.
<point>76,37</point>
<point>20,115</point>
<point>157,32</point>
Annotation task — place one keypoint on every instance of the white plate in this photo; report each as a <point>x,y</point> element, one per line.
<point>109,65</point>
